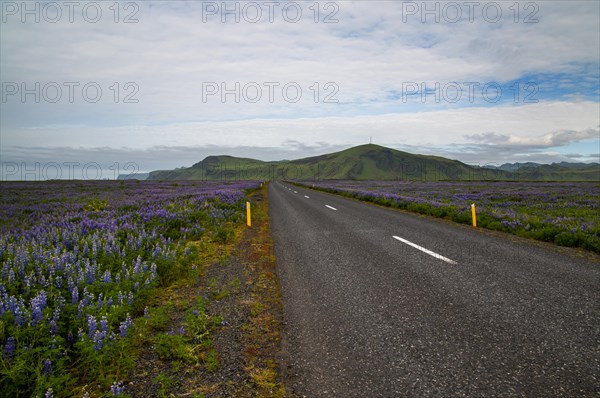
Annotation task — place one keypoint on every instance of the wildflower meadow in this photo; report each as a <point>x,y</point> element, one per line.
<point>566,213</point>
<point>78,263</point>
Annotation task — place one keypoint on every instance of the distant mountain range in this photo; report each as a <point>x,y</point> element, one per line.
<point>514,166</point>
<point>373,162</point>
<point>563,171</point>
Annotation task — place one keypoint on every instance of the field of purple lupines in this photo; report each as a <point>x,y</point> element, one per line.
<point>566,213</point>
<point>78,261</point>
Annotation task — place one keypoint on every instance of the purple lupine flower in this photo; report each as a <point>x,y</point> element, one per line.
<point>12,304</point>
<point>80,334</point>
<point>146,312</point>
<point>20,313</point>
<point>80,308</point>
<point>53,328</point>
<point>137,265</point>
<point>74,295</point>
<point>49,394</point>
<point>106,278</point>
<point>181,330</point>
<point>156,252</point>
<point>47,367</point>
<point>38,303</point>
<point>11,276</point>
<point>90,273</point>
<point>87,296</point>
<point>125,325</point>
<point>10,347</point>
<point>98,340</point>
<point>104,325</point>
<point>60,302</point>
<point>116,389</point>
<point>92,326</point>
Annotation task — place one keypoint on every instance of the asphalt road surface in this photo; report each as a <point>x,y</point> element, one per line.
<point>381,303</point>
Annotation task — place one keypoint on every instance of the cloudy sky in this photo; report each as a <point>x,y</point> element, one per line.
<point>159,85</point>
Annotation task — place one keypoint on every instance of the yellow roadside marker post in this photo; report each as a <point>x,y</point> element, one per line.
<point>474,214</point>
<point>248,216</point>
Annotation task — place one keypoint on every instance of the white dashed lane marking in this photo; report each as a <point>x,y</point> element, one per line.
<point>433,254</point>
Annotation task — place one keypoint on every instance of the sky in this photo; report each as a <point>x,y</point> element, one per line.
<point>94,89</point>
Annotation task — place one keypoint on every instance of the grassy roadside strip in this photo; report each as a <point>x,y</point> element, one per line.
<point>215,331</point>
<point>540,232</point>
<point>262,334</point>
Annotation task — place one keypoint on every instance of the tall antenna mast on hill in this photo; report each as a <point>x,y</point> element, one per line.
<point>370,140</point>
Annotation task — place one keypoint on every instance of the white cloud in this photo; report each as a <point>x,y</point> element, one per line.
<point>171,52</point>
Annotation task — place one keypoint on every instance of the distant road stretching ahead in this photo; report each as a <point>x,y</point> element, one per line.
<point>380,303</point>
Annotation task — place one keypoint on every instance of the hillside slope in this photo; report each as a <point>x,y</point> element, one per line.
<point>367,162</point>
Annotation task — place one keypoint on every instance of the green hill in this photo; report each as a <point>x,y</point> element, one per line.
<point>364,162</point>
<point>374,162</point>
<point>560,172</point>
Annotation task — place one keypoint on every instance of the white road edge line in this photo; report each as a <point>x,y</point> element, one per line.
<point>434,254</point>
<point>307,197</point>
<point>332,208</point>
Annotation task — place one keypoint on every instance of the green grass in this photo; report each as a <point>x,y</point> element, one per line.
<point>165,383</point>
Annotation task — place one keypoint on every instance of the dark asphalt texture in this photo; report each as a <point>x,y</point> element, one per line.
<point>369,316</point>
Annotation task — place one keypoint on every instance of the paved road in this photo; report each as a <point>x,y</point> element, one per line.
<point>369,315</point>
